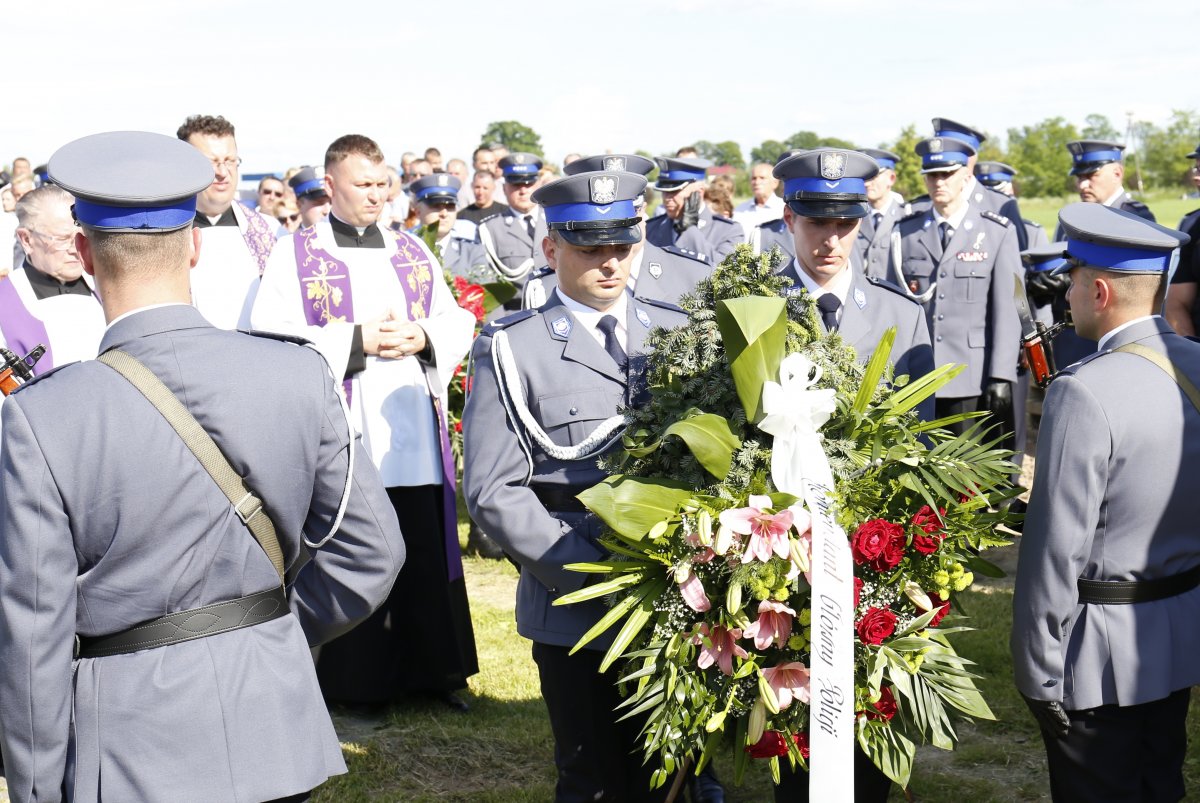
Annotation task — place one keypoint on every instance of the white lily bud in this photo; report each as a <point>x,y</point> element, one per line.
<point>918,597</point>
<point>758,722</point>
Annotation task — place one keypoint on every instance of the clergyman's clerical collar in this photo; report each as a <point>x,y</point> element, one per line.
<point>46,286</point>
<point>226,219</point>
<point>347,236</point>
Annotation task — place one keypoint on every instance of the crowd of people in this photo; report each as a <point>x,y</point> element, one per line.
<point>348,256</point>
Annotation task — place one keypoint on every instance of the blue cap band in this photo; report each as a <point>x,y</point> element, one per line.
<point>960,136</point>
<point>1052,263</point>
<point>578,213</point>
<point>886,164</point>
<point>681,175</point>
<point>445,192</point>
<point>1098,156</point>
<point>846,186</point>
<point>520,170</point>
<point>944,158</point>
<point>309,186</point>
<point>100,216</point>
<point>996,177</point>
<point>1107,257</point>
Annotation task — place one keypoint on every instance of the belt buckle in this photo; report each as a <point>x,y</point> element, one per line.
<point>245,517</point>
<point>78,647</point>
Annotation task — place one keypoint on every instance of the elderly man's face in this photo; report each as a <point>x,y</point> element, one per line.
<point>1101,184</point>
<point>223,154</point>
<point>49,242</point>
<point>762,183</point>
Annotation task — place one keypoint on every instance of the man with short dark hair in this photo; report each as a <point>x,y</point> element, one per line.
<point>149,647</point>
<point>237,240</point>
<point>270,192</point>
<point>483,191</point>
<point>375,303</point>
<point>513,237</point>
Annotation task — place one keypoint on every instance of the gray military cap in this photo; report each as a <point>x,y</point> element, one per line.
<point>1110,239</point>
<point>943,154</point>
<point>593,208</point>
<point>309,182</point>
<point>1048,257</point>
<point>951,129</point>
<point>885,159</point>
<point>992,173</point>
<point>1194,154</point>
<point>675,172</point>
<point>611,161</point>
<point>827,182</point>
<point>1089,155</point>
<point>132,181</point>
<point>520,168</point>
<point>439,186</point>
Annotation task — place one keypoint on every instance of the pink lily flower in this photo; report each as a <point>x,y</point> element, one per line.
<point>774,624</point>
<point>789,682</point>
<point>768,531</point>
<point>692,590</point>
<point>720,648</point>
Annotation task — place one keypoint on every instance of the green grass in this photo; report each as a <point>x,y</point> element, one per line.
<point>502,749</point>
<point>1168,207</point>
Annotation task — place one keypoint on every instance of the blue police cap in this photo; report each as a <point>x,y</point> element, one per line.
<point>940,154</point>
<point>436,187</point>
<point>593,208</point>
<point>675,172</point>
<point>1194,154</point>
<point>627,162</point>
<point>946,128</point>
<point>309,182</point>
<point>1109,239</point>
<point>827,182</point>
<point>1089,155</point>
<point>885,159</point>
<point>1042,258</point>
<point>131,180</point>
<point>993,173</point>
<point>520,168</point>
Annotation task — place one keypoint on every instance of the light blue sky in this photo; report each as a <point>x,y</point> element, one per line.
<point>587,76</point>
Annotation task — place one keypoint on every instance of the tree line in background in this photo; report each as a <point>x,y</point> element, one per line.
<point>1154,159</point>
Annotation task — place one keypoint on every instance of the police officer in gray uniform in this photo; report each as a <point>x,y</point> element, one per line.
<point>999,177</point>
<point>512,239</point>
<point>960,262</point>
<point>457,241</point>
<point>543,408</point>
<point>1106,605</point>
<point>148,650</point>
<point>977,195</point>
<point>688,222</point>
<point>1099,171</point>
<point>875,233</point>
<point>665,274</point>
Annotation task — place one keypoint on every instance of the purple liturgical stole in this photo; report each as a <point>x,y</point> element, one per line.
<point>259,237</point>
<point>326,291</point>
<point>21,329</point>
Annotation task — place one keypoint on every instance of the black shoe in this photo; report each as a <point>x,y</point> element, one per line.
<point>705,788</point>
<point>479,544</point>
<point>453,700</point>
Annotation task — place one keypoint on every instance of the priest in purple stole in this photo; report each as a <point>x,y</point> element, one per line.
<point>375,304</point>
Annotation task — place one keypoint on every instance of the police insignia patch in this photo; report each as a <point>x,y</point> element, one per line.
<point>604,189</point>
<point>561,326</point>
<point>519,158</point>
<point>614,163</point>
<point>443,179</point>
<point>655,269</point>
<point>860,298</point>
<point>644,318</point>
<point>833,165</point>
<point>935,145</point>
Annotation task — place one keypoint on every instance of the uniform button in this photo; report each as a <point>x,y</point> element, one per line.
<point>972,273</point>
<point>943,274</point>
<point>941,295</point>
<point>939,338</point>
<point>941,317</point>
<point>574,411</point>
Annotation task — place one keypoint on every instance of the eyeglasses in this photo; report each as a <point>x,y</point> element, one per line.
<point>285,219</point>
<point>276,193</point>
<point>60,242</point>
<point>229,164</point>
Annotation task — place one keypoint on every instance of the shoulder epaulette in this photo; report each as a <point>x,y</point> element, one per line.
<point>539,273</point>
<point>992,216</point>
<point>40,377</point>
<point>895,288</point>
<point>299,341</point>
<point>658,302</point>
<point>508,320</point>
<point>1031,223</point>
<point>1135,204</point>
<point>486,218</point>
<point>1075,366</point>
<point>913,214</point>
<point>772,224</point>
<point>685,253</point>
<point>722,217</point>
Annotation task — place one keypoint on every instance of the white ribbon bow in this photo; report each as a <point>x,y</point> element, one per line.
<point>794,413</point>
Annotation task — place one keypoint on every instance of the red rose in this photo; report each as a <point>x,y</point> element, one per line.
<point>885,706</point>
<point>878,543</point>
<point>943,607</point>
<point>460,284</point>
<point>876,625</point>
<point>927,521</point>
<point>858,584</point>
<point>801,740</point>
<point>773,744</point>
<point>458,426</point>
<point>927,544</point>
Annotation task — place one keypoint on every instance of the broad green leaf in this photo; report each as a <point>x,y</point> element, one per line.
<point>601,589</point>
<point>711,440</point>
<point>754,332</point>
<point>630,506</point>
<point>874,370</point>
<point>985,567</point>
<point>496,294</point>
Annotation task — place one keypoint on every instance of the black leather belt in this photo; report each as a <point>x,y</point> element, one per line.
<point>558,499</point>
<point>1128,592</point>
<point>187,625</point>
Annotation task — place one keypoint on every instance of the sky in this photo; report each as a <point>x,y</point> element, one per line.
<point>589,77</point>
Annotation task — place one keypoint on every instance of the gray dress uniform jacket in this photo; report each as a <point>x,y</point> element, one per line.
<point>107,521</point>
<point>1115,497</point>
<point>512,251</point>
<point>570,385</point>
<point>875,242</point>
<point>984,197</point>
<point>665,274</point>
<point>773,234</point>
<point>463,254</point>
<point>713,234</point>
<point>971,313</point>
<point>1126,203</point>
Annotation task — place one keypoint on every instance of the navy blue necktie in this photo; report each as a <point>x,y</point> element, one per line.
<point>829,304</point>
<point>608,325</point>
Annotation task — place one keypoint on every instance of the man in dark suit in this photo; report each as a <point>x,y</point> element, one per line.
<point>193,678</point>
